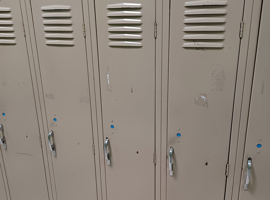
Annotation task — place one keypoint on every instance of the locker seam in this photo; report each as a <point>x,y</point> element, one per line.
<point>234,97</point>
<point>250,96</point>
<point>101,111</point>
<point>89,90</point>
<point>155,100</point>
<point>5,186</point>
<point>168,92</point>
<point>42,95</point>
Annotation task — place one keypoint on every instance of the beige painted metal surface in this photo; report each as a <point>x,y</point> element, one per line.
<point>257,139</point>
<point>202,75</point>
<point>127,74</point>
<point>23,159</point>
<point>64,73</point>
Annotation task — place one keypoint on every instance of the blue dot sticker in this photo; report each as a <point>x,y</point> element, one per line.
<point>178,134</point>
<point>259,145</point>
<point>112,126</point>
<point>54,119</point>
<point>4,114</point>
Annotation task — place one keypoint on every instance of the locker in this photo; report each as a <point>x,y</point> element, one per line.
<point>255,176</point>
<point>203,60</point>
<point>19,128</point>
<point>126,44</point>
<point>2,184</point>
<point>62,55</point>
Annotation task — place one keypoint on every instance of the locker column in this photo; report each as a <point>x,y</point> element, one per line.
<point>61,60</point>
<point>19,129</point>
<point>255,169</point>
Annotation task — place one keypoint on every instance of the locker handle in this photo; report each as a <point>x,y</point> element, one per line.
<point>2,138</point>
<point>52,146</point>
<point>170,161</point>
<point>249,165</point>
<point>107,154</point>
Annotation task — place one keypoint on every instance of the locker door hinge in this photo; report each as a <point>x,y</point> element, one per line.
<point>84,32</point>
<point>23,30</point>
<point>227,169</point>
<point>155,30</point>
<point>155,158</point>
<point>241,29</point>
<point>93,149</point>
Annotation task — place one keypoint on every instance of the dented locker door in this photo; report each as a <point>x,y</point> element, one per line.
<point>63,65</point>
<point>255,182</point>
<point>126,43</point>
<point>3,191</point>
<point>23,157</point>
<point>204,48</point>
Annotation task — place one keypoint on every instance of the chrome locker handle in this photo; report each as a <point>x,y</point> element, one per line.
<point>170,161</point>
<point>107,154</point>
<point>249,165</point>
<point>52,145</point>
<point>2,137</point>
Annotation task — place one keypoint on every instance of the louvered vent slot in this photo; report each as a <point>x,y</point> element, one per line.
<point>125,20</point>
<point>204,24</point>
<point>57,20</point>
<point>7,35</point>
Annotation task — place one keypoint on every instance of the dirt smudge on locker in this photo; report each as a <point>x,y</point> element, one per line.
<point>84,99</point>
<point>202,100</point>
<point>218,79</point>
<point>49,96</point>
<point>262,89</point>
<point>21,84</point>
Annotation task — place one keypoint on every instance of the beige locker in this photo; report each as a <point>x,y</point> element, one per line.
<point>2,183</point>
<point>63,69</point>
<point>126,44</point>
<point>19,129</point>
<point>203,60</point>
<point>255,174</point>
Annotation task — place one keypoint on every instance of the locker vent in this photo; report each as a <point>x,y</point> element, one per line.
<point>204,24</point>
<point>125,20</point>
<point>58,25</point>
<point>7,35</point>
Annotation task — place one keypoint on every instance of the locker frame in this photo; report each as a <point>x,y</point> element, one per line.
<point>99,133</point>
<point>245,88</point>
<point>39,93</point>
<point>29,30</point>
<point>25,27</point>
<point>246,59</point>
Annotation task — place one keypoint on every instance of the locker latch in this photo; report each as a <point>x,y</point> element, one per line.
<point>2,138</point>
<point>249,165</point>
<point>51,142</point>
<point>170,161</point>
<point>107,154</point>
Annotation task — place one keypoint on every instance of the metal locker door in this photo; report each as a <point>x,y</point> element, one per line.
<point>19,129</point>
<point>3,192</point>
<point>126,43</point>
<point>256,165</point>
<point>204,48</point>
<point>62,57</point>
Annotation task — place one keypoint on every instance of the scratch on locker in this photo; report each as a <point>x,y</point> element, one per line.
<point>25,154</point>
<point>49,96</point>
<point>202,100</point>
<point>109,88</point>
